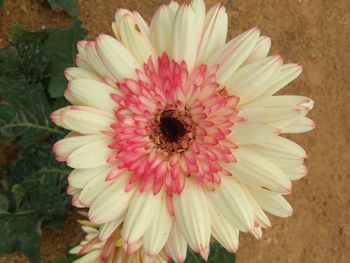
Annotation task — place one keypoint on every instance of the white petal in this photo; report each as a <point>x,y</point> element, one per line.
<point>256,170</point>
<point>233,54</point>
<point>85,122</point>
<point>95,186</point>
<point>89,258</point>
<point>279,101</point>
<point>176,245</point>
<point>77,73</point>
<point>65,147</point>
<point>231,200</point>
<point>141,22</point>
<point>79,178</point>
<point>141,213</point>
<point>185,34</point>
<point>116,57</point>
<point>157,234</point>
<point>192,216</point>
<point>108,228</point>
<point>56,117</point>
<point>295,172</point>
<point>302,124</point>
<point>223,231</point>
<point>198,7</point>
<point>288,73</point>
<point>161,29</point>
<point>92,93</point>
<point>135,39</point>
<point>260,51</point>
<point>250,133</point>
<point>215,31</point>
<point>249,81</point>
<point>112,203</point>
<point>273,203</point>
<point>91,155</point>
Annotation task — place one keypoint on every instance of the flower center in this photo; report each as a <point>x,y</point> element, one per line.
<point>172,130</point>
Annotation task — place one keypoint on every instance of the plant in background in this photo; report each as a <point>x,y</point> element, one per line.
<point>176,136</point>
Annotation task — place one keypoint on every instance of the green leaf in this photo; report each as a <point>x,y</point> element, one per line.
<point>4,204</point>
<point>61,48</point>
<point>20,232</point>
<point>1,3</point>
<point>217,254</point>
<point>18,193</point>
<point>70,6</point>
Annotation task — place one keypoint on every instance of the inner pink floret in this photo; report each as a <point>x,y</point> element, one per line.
<point>172,125</point>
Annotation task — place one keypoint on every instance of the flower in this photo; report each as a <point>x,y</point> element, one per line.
<point>94,250</point>
<point>175,130</point>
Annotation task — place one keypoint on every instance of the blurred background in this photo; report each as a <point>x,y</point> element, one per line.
<point>313,33</point>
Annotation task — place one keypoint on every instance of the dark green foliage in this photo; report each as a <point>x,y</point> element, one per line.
<point>217,254</point>
<point>70,6</point>
<point>35,184</point>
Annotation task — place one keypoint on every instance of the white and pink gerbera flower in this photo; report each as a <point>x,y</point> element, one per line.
<point>176,134</point>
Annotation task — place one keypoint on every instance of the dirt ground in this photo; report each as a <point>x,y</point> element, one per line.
<point>314,33</point>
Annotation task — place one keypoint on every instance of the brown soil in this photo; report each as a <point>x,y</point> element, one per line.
<point>314,33</point>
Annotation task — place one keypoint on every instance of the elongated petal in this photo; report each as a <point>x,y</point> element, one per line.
<point>161,29</point>
<point>273,203</point>
<point>233,54</point>
<point>302,124</point>
<point>157,234</point>
<point>288,73</point>
<point>192,216</point>
<point>116,57</point>
<point>78,73</point>
<point>184,29</point>
<point>214,35</point>
<point>108,228</point>
<point>295,172</point>
<point>65,147</point>
<point>256,170</point>
<point>279,101</point>
<point>79,178</point>
<point>112,203</point>
<point>176,245</point>
<point>223,231</point>
<point>231,200</point>
<point>141,213</point>
<point>86,122</point>
<point>91,155</point>
<point>250,133</point>
<point>249,81</point>
<point>135,39</point>
<point>260,51</point>
<point>92,93</point>
<point>141,22</point>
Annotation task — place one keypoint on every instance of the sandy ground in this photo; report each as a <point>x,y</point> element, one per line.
<point>314,33</point>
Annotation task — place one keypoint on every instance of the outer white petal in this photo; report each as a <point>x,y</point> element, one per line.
<point>273,203</point>
<point>192,216</point>
<point>279,101</point>
<point>295,172</point>
<point>288,73</point>
<point>157,234</point>
<point>135,39</point>
<point>250,133</point>
<point>199,8</point>
<point>77,73</point>
<point>300,125</point>
<point>249,81</point>
<point>256,170</point>
<point>141,213</point>
<point>185,36</point>
<point>85,122</point>
<point>95,186</point>
<point>223,231</point>
<point>56,117</point>
<point>260,51</point>
<point>89,257</point>
<point>91,155</point>
<point>65,147</point>
<point>231,200</point>
<point>112,203</point>
<point>108,228</point>
<point>92,93</point>
<point>176,245</point>
<point>141,22</point>
<point>233,54</point>
<point>161,28</point>
<point>116,57</point>
<point>79,178</point>
<point>215,31</point>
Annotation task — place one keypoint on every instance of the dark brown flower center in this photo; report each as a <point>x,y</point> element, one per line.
<point>172,130</point>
